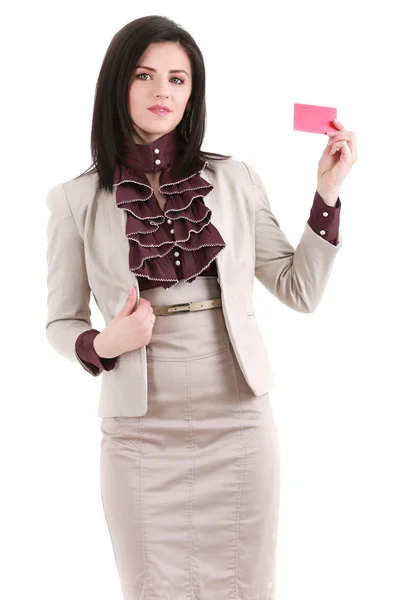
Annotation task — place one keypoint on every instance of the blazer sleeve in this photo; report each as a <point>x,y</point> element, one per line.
<point>68,291</point>
<point>297,277</point>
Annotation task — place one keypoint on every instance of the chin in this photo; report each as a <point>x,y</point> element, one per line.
<point>160,129</point>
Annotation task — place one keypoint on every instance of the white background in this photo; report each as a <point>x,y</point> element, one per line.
<point>336,403</point>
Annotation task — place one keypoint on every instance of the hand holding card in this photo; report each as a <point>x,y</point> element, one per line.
<point>340,153</point>
<point>314,119</point>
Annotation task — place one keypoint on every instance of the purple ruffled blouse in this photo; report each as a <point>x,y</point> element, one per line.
<point>178,242</point>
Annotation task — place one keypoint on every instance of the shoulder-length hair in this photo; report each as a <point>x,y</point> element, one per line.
<point>111,123</point>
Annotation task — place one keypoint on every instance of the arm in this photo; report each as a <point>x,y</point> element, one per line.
<point>69,313</point>
<point>296,277</point>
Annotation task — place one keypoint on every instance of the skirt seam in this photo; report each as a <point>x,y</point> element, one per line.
<point>235,582</point>
<point>143,531</point>
<point>192,481</point>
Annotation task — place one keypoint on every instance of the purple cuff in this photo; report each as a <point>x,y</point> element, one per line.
<point>84,348</point>
<point>325,219</point>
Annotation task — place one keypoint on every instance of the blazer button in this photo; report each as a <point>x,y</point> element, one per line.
<point>178,262</point>
<point>322,232</point>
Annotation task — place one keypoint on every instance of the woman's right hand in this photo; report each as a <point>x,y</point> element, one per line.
<point>130,329</point>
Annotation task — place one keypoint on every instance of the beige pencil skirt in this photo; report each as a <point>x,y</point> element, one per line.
<point>191,489</point>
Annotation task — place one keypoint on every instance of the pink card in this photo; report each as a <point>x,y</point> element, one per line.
<point>314,119</point>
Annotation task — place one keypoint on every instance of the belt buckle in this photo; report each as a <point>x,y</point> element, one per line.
<point>167,310</point>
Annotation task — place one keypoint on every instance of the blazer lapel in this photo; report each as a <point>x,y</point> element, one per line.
<point>211,201</point>
<point>117,219</point>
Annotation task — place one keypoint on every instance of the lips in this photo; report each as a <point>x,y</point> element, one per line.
<point>159,107</point>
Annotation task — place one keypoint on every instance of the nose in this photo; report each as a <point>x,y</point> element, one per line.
<point>162,93</point>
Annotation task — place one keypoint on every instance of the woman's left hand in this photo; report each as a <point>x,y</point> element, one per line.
<point>336,161</point>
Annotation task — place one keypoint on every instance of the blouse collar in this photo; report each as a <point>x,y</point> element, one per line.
<point>156,156</point>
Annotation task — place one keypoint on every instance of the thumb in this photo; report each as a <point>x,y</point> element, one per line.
<point>130,302</point>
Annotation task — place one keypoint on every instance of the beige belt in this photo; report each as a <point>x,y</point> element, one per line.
<point>173,309</point>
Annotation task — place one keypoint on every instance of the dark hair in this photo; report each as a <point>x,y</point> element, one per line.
<point>111,123</point>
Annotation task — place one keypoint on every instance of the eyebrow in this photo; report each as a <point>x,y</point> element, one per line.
<point>155,70</point>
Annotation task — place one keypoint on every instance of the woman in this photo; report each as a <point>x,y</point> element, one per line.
<point>189,448</point>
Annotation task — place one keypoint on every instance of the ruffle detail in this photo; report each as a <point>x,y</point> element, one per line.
<point>151,243</point>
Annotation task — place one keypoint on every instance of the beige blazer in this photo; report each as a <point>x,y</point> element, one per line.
<point>88,252</point>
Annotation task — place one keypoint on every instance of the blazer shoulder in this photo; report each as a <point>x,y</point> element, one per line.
<point>252,174</point>
<point>71,198</point>
<point>238,169</point>
<point>81,189</point>
<point>75,193</point>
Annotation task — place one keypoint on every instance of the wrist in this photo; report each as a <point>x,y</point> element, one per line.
<point>97,345</point>
<point>330,197</point>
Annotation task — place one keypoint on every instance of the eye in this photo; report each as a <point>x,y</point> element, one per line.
<point>140,75</point>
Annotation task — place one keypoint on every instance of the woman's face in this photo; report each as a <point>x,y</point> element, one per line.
<point>154,83</point>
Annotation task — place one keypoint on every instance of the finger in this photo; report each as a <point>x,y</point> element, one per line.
<point>343,135</point>
<point>147,308</point>
<point>336,147</point>
<point>346,152</point>
<point>338,124</point>
<point>348,136</point>
<point>341,147</point>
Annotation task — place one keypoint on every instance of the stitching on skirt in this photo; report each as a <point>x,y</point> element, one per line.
<point>190,426</point>
<point>256,426</point>
<point>235,581</point>
<point>169,359</point>
<point>143,532</point>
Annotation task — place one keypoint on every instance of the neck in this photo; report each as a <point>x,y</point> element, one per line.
<point>153,177</point>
